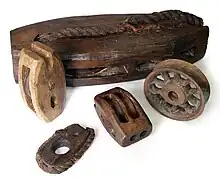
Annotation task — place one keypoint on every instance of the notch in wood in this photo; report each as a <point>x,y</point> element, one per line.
<point>122,116</point>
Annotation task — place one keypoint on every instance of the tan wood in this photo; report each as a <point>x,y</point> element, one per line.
<point>42,81</point>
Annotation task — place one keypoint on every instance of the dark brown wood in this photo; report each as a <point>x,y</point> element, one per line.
<point>74,137</point>
<point>122,116</point>
<point>113,48</point>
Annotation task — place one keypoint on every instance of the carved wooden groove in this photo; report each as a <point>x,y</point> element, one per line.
<point>103,49</point>
<point>42,81</point>
<point>122,116</point>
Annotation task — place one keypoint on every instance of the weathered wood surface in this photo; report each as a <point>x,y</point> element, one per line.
<point>76,138</point>
<point>114,48</point>
<point>42,81</point>
<point>122,116</point>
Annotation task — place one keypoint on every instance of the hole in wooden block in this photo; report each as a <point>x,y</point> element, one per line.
<point>61,146</point>
<point>53,101</point>
<point>62,150</point>
<point>173,96</point>
<point>143,134</point>
<point>133,138</point>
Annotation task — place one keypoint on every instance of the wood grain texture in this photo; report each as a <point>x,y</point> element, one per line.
<point>103,49</point>
<point>75,137</point>
<point>177,89</point>
<point>122,116</point>
<point>42,81</point>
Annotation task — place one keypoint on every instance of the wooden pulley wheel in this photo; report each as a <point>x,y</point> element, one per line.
<point>177,89</point>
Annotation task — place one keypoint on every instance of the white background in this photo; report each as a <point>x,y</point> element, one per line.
<point>174,150</point>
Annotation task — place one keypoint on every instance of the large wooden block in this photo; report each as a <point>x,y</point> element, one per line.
<point>104,49</point>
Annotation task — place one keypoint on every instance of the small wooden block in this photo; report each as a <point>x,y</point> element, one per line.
<point>122,116</point>
<point>42,81</point>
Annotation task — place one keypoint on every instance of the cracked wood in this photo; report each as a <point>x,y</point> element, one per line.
<point>102,45</point>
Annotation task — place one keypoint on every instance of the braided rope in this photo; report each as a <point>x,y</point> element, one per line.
<point>79,32</point>
<point>170,15</point>
<point>97,31</point>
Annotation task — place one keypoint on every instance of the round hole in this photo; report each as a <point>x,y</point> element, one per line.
<point>173,96</point>
<point>62,150</point>
<point>132,138</point>
<point>53,101</point>
<point>143,133</point>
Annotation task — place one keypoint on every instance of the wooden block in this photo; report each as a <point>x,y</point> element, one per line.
<point>104,49</point>
<point>42,81</point>
<point>122,116</point>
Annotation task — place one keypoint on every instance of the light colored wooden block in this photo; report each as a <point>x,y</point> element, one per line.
<point>42,81</point>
